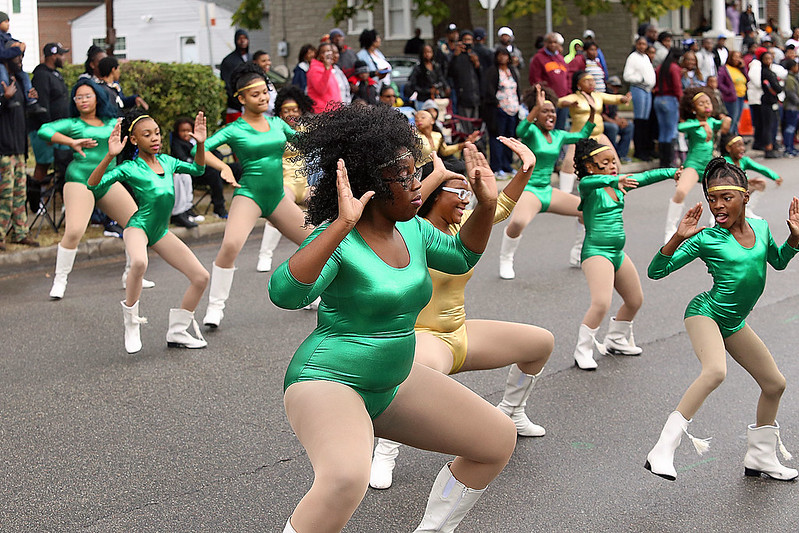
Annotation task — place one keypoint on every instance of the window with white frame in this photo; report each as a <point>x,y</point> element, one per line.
<point>363,20</point>
<point>120,46</point>
<point>400,22</point>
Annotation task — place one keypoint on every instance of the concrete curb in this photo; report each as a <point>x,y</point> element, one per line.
<point>103,247</point>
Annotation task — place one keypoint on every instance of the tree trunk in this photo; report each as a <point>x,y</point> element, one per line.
<point>459,13</point>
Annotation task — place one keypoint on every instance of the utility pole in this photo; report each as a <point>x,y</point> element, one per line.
<point>110,32</point>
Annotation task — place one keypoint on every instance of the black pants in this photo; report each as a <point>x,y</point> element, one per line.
<point>213,179</point>
<point>769,118</point>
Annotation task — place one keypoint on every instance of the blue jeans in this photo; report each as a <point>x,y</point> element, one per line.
<point>562,118</point>
<point>667,109</point>
<point>642,102</point>
<point>734,110</point>
<point>622,145</point>
<point>501,155</point>
<point>789,119</point>
<point>23,77</point>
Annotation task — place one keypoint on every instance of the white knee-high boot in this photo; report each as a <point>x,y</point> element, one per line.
<point>619,339</point>
<point>64,260</point>
<point>660,461</point>
<point>178,335</point>
<point>145,283</point>
<point>383,462</point>
<point>517,389</point>
<point>448,503</point>
<point>566,181</point>
<point>673,217</point>
<point>506,253</point>
<point>268,244</point>
<point>584,351</point>
<point>218,292</point>
<point>761,454</point>
<point>132,323</point>
<point>575,255</point>
<point>288,528</point>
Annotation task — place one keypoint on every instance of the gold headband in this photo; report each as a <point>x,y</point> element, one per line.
<point>130,129</point>
<point>726,188</point>
<point>596,151</point>
<point>400,157</point>
<point>697,95</point>
<point>733,141</point>
<point>250,86</point>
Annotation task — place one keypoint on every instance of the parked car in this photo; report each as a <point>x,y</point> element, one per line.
<point>401,67</point>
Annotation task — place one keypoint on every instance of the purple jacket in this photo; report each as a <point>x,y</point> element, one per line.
<point>726,86</point>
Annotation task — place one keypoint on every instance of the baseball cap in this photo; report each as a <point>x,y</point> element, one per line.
<point>722,36</point>
<point>479,33</point>
<point>334,32</point>
<point>452,27</point>
<point>51,49</point>
<point>504,30</point>
<point>614,81</point>
<point>589,34</point>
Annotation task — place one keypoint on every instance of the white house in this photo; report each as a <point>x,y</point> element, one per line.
<point>181,31</point>
<point>24,26</point>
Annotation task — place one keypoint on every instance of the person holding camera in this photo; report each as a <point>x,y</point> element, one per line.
<point>427,79</point>
<point>464,70</point>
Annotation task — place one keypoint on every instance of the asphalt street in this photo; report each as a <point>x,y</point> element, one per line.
<point>93,439</point>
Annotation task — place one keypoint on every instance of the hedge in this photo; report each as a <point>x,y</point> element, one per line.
<point>171,89</point>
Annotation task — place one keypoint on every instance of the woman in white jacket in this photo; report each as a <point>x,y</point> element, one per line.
<point>640,74</point>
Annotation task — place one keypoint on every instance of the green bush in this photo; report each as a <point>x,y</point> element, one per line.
<point>171,89</point>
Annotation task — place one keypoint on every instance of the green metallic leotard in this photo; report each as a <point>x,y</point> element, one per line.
<point>261,157</point>
<point>747,163</point>
<point>80,168</point>
<point>155,193</point>
<point>364,337</point>
<point>700,149</point>
<point>602,215</point>
<point>546,155</point>
<point>739,274</point>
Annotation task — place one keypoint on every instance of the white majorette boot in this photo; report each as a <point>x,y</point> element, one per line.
<point>64,260</point>
<point>576,253</point>
<point>221,281</point>
<point>584,351</point>
<point>268,244</point>
<point>517,390</point>
<point>132,323</point>
<point>673,217</point>
<point>566,181</point>
<point>288,528</point>
<point>178,336</point>
<point>506,253</point>
<point>448,503</point>
<point>660,461</point>
<point>619,339</point>
<point>761,453</point>
<point>385,454</point>
<point>145,283</point>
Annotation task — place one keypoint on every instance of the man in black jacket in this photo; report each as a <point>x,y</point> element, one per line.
<point>464,70</point>
<point>235,58</point>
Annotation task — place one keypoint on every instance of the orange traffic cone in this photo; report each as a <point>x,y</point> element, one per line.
<point>745,124</point>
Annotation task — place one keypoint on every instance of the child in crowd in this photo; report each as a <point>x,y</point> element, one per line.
<point>364,88</point>
<point>109,74</point>
<point>790,108</point>
<point>10,47</point>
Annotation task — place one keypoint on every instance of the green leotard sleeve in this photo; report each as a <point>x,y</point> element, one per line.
<point>779,257</point>
<point>183,167</point>
<point>714,123</point>
<point>748,163</point>
<point>117,173</point>
<point>523,129</point>
<point>654,176</point>
<point>287,129</point>
<point>663,265</point>
<point>573,137</point>
<point>446,253</point>
<point>216,140</point>
<point>597,181</point>
<point>63,126</point>
<point>687,125</point>
<point>288,293</point>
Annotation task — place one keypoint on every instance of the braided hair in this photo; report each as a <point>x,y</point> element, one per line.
<point>582,154</point>
<point>130,150</point>
<point>720,169</point>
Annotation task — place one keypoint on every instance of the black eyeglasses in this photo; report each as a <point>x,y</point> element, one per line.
<point>406,179</point>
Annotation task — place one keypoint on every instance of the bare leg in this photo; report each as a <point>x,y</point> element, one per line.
<point>600,276</point>
<point>434,412</point>
<point>709,347</point>
<point>136,246</point>
<point>526,209</point>
<point>494,344</point>
<point>289,219</point>
<point>433,353</point>
<point>749,351</point>
<point>688,179</point>
<point>118,204</point>
<point>331,422</point>
<point>79,203</point>
<point>563,203</point>
<point>243,215</point>
<point>628,285</point>
<point>179,256</point>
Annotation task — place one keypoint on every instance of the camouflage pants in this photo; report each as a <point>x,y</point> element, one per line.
<point>12,197</point>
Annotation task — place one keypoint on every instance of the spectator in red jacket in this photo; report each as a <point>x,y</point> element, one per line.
<point>548,68</point>
<point>322,84</point>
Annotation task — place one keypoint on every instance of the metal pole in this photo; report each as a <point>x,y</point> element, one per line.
<point>549,15</point>
<point>491,27</point>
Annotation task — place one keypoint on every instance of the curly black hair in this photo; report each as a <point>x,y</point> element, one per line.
<point>292,92</point>
<point>582,154</point>
<point>530,96</point>
<point>687,101</point>
<point>367,38</point>
<point>246,73</point>
<point>719,169</point>
<point>129,151</point>
<point>365,137</point>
